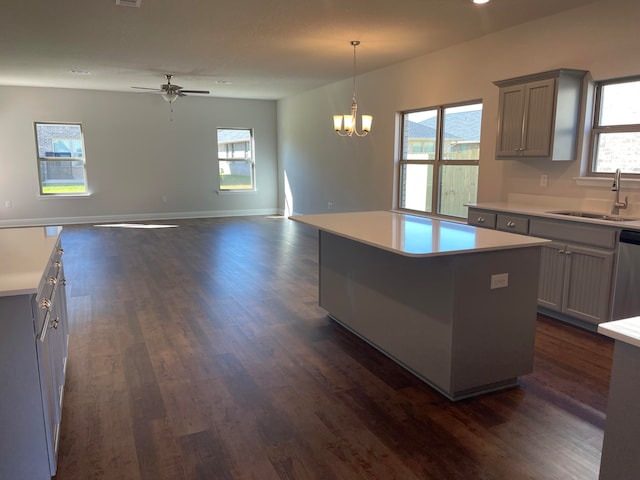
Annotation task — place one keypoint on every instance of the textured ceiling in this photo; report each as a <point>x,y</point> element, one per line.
<point>266,49</point>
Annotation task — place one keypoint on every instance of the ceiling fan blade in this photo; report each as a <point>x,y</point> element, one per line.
<point>147,88</point>
<point>194,91</point>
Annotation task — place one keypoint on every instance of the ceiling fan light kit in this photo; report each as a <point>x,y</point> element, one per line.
<point>170,97</point>
<point>171,92</point>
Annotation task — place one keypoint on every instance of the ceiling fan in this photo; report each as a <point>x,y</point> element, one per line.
<point>171,92</point>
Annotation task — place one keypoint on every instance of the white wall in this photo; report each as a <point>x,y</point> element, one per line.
<point>137,151</point>
<point>359,173</point>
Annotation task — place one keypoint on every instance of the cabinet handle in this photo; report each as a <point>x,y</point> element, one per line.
<point>480,220</point>
<point>567,252</point>
<point>54,323</point>
<point>511,224</point>
<point>45,304</point>
<point>57,263</point>
<point>60,251</point>
<point>45,327</point>
<point>52,280</point>
<point>561,252</point>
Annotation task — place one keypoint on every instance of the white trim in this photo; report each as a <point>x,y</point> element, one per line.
<point>63,195</point>
<point>237,191</point>
<point>35,222</point>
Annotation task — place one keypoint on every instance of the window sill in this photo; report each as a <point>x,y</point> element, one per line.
<point>606,182</point>
<point>62,195</point>
<point>235,192</point>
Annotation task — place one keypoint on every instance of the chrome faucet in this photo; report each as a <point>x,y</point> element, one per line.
<point>617,204</point>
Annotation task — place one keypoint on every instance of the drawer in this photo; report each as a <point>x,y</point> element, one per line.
<point>479,218</point>
<point>574,232</point>
<point>513,223</point>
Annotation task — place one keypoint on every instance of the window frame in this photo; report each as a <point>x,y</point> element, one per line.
<point>252,161</point>
<point>70,159</point>
<point>436,163</point>
<point>597,129</point>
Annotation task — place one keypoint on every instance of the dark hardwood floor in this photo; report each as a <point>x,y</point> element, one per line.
<point>199,352</point>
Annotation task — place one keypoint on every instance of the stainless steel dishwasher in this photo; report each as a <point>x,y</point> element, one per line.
<point>626,299</point>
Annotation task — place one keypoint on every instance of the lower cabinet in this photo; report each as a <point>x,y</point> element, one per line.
<point>576,281</point>
<point>576,268</point>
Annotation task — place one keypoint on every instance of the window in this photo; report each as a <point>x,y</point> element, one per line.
<point>235,159</point>
<point>440,150</point>
<point>616,127</point>
<point>61,160</point>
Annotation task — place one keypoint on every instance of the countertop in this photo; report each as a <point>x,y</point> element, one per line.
<point>545,211</point>
<point>26,255</point>
<point>626,330</point>
<point>415,236</point>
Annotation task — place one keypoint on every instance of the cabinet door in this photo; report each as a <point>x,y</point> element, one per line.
<point>511,112</point>
<point>588,290</point>
<point>553,259</point>
<point>46,348</point>
<point>538,118</point>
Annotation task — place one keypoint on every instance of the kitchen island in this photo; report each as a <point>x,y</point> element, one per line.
<point>620,449</point>
<point>33,351</point>
<point>453,304</point>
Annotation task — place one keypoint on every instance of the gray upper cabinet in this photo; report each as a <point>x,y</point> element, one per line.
<point>538,115</point>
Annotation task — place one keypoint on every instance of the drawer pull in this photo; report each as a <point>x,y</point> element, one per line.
<point>561,252</point>
<point>52,280</point>
<point>45,304</point>
<point>57,263</point>
<point>60,251</point>
<point>480,220</point>
<point>511,224</point>
<point>54,323</point>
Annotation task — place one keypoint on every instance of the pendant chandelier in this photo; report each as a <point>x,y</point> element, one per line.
<point>349,121</point>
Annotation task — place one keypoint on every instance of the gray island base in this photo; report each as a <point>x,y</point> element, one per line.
<point>459,313</point>
<point>620,449</point>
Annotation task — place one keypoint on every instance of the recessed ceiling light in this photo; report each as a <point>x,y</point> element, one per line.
<point>129,3</point>
<point>480,2</point>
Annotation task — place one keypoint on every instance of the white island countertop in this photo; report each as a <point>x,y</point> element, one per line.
<point>415,236</point>
<point>26,254</point>
<point>626,330</point>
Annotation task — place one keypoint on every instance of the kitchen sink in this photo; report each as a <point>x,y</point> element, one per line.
<point>596,216</point>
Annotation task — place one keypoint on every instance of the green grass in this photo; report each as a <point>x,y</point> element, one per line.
<point>235,182</point>
<point>53,189</point>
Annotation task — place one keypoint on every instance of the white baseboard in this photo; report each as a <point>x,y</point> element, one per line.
<point>141,217</point>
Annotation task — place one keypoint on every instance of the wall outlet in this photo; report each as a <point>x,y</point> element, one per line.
<point>329,205</point>
<point>500,280</point>
<point>544,180</point>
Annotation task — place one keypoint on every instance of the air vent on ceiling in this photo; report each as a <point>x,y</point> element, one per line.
<point>129,3</point>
